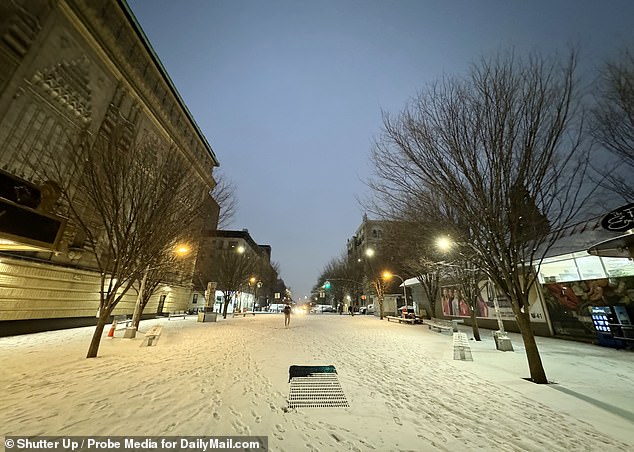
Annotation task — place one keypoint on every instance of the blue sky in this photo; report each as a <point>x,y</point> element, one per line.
<point>289,93</point>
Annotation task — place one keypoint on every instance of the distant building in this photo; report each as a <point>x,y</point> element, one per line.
<point>367,236</point>
<point>69,66</point>
<point>266,279</point>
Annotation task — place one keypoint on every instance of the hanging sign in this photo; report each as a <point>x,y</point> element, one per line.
<point>619,220</point>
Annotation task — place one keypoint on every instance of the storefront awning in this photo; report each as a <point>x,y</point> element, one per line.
<point>621,246</point>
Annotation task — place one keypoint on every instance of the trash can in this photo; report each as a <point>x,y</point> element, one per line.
<point>204,316</point>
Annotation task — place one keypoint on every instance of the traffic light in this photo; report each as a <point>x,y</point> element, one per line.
<point>327,285</point>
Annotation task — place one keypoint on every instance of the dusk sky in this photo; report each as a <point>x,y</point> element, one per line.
<point>289,93</point>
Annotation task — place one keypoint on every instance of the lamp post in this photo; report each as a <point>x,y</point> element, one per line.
<point>256,285</point>
<point>388,275</point>
<point>502,341</point>
<point>130,332</point>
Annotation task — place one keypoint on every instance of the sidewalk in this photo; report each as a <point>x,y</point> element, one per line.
<point>601,377</point>
<point>405,390</point>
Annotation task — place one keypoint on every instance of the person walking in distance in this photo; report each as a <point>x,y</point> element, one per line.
<point>287,315</point>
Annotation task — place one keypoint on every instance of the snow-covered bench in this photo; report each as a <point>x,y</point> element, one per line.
<point>461,347</point>
<point>152,336</point>
<point>242,313</point>
<point>442,325</point>
<point>182,314</point>
<point>400,319</point>
<point>122,319</point>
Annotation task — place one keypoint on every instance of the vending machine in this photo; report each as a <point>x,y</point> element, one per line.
<point>623,319</point>
<point>609,322</point>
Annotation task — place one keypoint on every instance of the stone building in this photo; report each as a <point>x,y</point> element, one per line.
<point>265,274</point>
<point>68,66</point>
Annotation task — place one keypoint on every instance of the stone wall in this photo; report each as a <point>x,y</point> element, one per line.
<point>68,67</point>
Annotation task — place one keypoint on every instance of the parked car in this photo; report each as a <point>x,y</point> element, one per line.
<point>369,309</point>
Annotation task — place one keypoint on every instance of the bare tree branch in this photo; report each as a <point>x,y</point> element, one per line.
<point>502,149</point>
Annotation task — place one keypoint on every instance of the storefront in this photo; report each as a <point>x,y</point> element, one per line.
<point>574,283</point>
<point>453,304</point>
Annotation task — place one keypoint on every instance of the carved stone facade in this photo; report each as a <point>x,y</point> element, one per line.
<point>68,66</point>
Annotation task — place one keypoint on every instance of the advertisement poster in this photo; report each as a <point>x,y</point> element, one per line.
<point>569,303</point>
<point>454,304</point>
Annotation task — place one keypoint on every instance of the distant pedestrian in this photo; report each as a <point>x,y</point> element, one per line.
<point>287,315</point>
<point>351,310</point>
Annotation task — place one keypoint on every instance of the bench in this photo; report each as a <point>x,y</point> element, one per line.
<point>152,336</point>
<point>176,314</point>
<point>400,319</point>
<point>461,347</point>
<point>242,313</point>
<point>120,319</point>
<point>442,325</point>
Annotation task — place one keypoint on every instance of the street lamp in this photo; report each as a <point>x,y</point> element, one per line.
<point>256,285</point>
<point>388,275</point>
<point>180,250</point>
<point>503,342</point>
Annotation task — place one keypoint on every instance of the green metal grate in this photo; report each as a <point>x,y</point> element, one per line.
<point>315,387</point>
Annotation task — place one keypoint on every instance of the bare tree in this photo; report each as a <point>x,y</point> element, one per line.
<point>411,244</point>
<point>467,272</point>
<point>614,124</point>
<point>232,270</point>
<point>269,276</point>
<point>163,267</point>
<point>130,200</point>
<point>502,148</point>
<point>225,195</point>
<point>335,272</point>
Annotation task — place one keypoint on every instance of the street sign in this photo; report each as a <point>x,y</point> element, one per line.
<point>619,220</point>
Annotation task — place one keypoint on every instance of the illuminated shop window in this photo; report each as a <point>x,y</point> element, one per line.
<point>617,267</point>
<point>558,271</point>
<point>590,267</point>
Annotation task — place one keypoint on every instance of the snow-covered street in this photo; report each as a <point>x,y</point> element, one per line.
<point>405,390</point>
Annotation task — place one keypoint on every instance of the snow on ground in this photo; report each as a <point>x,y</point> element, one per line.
<point>406,392</point>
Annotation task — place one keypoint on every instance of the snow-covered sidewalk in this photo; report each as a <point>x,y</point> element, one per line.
<point>405,390</point>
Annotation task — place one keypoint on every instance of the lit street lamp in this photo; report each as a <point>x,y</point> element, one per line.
<point>130,332</point>
<point>502,341</point>
<point>256,285</point>
<point>388,275</point>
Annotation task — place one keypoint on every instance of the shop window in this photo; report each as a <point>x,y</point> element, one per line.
<point>558,271</point>
<point>590,267</point>
<point>617,267</point>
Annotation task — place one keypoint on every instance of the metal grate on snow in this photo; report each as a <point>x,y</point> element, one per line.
<point>315,387</point>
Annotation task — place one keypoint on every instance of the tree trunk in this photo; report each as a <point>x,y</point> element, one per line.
<point>432,309</point>
<point>380,308</point>
<point>137,321</point>
<point>104,315</point>
<point>224,309</point>
<point>474,325</point>
<point>538,375</point>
